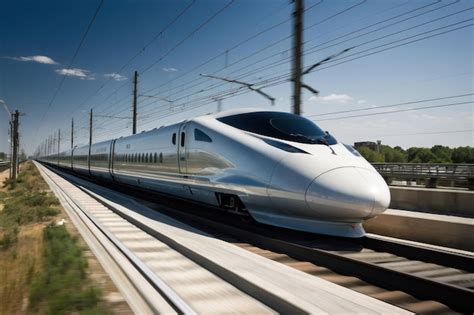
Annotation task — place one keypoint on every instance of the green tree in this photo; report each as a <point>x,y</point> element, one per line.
<point>423,155</point>
<point>371,155</point>
<point>392,155</point>
<point>442,153</point>
<point>463,155</point>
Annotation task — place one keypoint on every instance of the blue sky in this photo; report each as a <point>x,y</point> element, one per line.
<point>39,38</point>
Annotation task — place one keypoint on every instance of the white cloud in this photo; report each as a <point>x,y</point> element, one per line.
<point>360,102</point>
<point>76,72</point>
<point>39,59</point>
<point>336,98</point>
<point>115,76</point>
<point>169,69</point>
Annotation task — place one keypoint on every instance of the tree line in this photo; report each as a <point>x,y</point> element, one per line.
<point>435,154</point>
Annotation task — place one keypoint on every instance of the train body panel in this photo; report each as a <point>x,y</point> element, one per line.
<point>100,159</point>
<point>80,160</point>
<point>149,160</point>
<point>65,159</point>
<point>280,168</point>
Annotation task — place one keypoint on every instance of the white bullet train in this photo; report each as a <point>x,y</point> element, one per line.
<point>280,168</point>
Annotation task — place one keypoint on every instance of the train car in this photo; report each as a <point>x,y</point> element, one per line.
<point>279,168</point>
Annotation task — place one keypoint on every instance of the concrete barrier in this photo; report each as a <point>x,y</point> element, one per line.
<point>442,230</point>
<point>440,201</point>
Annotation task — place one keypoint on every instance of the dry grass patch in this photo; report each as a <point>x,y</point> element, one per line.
<point>42,267</point>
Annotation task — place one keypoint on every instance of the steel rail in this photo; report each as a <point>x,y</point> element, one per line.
<point>412,251</point>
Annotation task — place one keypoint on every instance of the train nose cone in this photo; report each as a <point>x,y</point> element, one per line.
<point>348,193</point>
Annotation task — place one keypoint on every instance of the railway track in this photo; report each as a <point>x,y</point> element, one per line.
<point>419,279</point>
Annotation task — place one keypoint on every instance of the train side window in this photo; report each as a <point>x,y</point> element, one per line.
<point>199,135</point>
<point>173,139</point>
<point>182,138</point>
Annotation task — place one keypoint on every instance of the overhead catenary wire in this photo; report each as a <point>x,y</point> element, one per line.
<point>392,105</point>
<point>290,36</point>
<point>233,47</point>
<point>177,45</point>
<point>428,133</point>
<point>324,20</point>
<point>278,41</point>
<point>71,62</point>
<point>306,28</point>
<point>283,78</point>
<point>282,62</point>
<point>398,111</point>
<point>143,49</point>
<point>228,49</point>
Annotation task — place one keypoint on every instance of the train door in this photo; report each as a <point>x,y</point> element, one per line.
<point>111,158</point>
<point>182,144</point>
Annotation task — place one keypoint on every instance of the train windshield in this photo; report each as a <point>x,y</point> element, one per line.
<point>280,125</point>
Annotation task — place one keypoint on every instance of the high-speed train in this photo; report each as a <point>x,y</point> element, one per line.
<point>279,168</point>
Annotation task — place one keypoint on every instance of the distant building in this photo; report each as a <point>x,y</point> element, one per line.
<point>369,144</point>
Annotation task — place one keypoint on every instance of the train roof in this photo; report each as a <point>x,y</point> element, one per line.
<point>238,111</point>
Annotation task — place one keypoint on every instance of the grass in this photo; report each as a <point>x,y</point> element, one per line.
<point>40,262</point>
<point>24,202</point>
<point>62,283</point>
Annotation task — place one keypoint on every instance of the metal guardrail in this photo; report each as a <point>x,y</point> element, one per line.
<point>425,170</point>
<point>429,172</point>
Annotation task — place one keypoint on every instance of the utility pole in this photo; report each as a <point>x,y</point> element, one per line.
<point>11,145</point>
<point>135,95</point>
<point>297,54</point>
<point>54,142</point>
<point>14,158</point>
<point>59,142</point>
<point>90,140</point>
<point>72,133</point>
